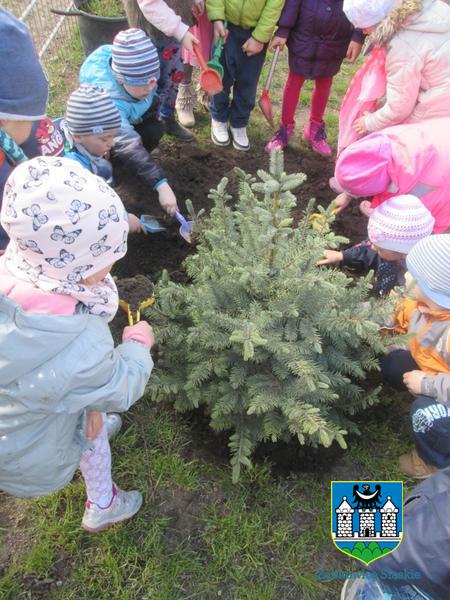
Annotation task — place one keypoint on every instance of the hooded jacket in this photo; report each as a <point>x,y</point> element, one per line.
<point>96,71</point>
<point>53,368</point>
<point>259,15</point>
<point>318,35</point>
<point>416,35</point>
<point>429,346</point>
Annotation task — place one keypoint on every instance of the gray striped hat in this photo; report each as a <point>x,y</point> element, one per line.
<point>429,264</point>
<point>134,58</point>
<point>90,110</point>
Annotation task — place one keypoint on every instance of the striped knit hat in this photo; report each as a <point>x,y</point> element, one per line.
<point>90,110</point>
<point>429,264</point>
<point>134,58</point>
<point>399,223</point>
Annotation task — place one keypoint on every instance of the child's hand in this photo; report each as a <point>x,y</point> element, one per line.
<point>341,201</point>
<point>359,125</point>
<point>332,257</point>
<point>413,381</point>
<point>167,199</point>
<point>252,47</point>
<point>220,32</point>
<point>187,41</point>
<point>277,42</point>
<point>94,424</point>
<point>135,224</point>
<point>198,8</point>
<point>141,332</point>
<point>353,51</point>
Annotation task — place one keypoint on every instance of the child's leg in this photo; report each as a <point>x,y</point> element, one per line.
<point>219,105</point>
<point>151,131</point>
<point>247,70</point>
<point>171,75</point>
<point>394,365</point>
<point>431,427</point>
<point>95,466</point>
<point>187,69</point>
<point>320,97</point>
<point>291,96</point>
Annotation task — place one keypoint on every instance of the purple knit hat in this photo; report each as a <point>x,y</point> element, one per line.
<point>362,169</point>
<point>399,223</point>
<point>134,58</point>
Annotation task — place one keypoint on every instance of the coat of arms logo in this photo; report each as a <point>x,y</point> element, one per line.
<point>367,517</point>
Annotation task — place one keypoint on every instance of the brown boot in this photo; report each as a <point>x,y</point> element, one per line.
<point>411,464</point>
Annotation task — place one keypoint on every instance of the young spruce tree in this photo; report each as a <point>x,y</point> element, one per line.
<point>272,345</point>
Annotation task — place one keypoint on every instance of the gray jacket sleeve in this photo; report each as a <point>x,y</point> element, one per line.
<point>132,152</point>
<point>437,386</point>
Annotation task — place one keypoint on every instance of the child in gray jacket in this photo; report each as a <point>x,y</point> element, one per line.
<point>59,370</point>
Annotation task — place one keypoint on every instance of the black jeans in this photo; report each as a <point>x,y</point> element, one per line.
<point>430,420</point>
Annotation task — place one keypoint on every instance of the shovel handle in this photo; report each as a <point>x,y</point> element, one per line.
<point>200,58</point>
<point>273,64</point>
<point>218,49</point>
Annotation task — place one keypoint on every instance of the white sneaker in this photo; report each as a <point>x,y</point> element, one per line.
<point>240,139</point>
<point>113,424</point>
<point>219,133</point>
<point>123,506</point>
<point>185,104</point>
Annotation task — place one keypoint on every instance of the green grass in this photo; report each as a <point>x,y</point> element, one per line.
<point>197,536</point>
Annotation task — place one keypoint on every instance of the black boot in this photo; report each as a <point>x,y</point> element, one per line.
<point>177,130</point>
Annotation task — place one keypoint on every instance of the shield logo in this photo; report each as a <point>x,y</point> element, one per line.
<point>367,518</point>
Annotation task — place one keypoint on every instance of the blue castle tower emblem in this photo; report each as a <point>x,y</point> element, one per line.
<point>366,517</point>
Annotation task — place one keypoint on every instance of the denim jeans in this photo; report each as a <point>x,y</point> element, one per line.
<point>430,419</point>
<point>241,72</point>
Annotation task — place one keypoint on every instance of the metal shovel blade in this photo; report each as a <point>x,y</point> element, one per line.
<point>265,105</point>
<point>185,227</point>
<point>264,102</point>
<point>151,224</point>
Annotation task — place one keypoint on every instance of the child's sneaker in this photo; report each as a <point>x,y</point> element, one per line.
<point>240,138</point>
<point>411,464</point>
<point>219,133</point>
<point>281,138</point>
<point>185,104</point>
<point>314,133</point>
<point>123,506</point>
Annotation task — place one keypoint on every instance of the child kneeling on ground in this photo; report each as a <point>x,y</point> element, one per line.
<point>394,228</point>
<point>424,369</point>
<point>128,71</point>
<point>59,369</point>
<point>90,127</point>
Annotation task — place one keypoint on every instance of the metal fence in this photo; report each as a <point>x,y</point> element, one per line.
<point>53,35</point>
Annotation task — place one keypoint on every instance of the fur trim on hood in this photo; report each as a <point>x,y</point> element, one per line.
<point>396,21</point>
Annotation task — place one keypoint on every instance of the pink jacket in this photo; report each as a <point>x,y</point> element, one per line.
<point>163,18</point>
<point>417,63</point>
<point>420,165</point>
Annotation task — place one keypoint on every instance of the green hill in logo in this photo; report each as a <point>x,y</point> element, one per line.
<point>366,552</point>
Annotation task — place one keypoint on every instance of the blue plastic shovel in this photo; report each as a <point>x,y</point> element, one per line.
<point>185,228</point>
<point>151,224</point>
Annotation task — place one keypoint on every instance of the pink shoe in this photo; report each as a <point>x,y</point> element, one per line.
<point>281,138</point>
<point>314,133</point>
<point>364,207</point>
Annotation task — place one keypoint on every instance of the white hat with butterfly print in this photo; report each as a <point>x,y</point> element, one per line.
<point>67,228</point>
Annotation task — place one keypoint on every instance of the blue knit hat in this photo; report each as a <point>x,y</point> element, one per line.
<point>23,85</point>
<point>429,264</point>
<point>134,58</point>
